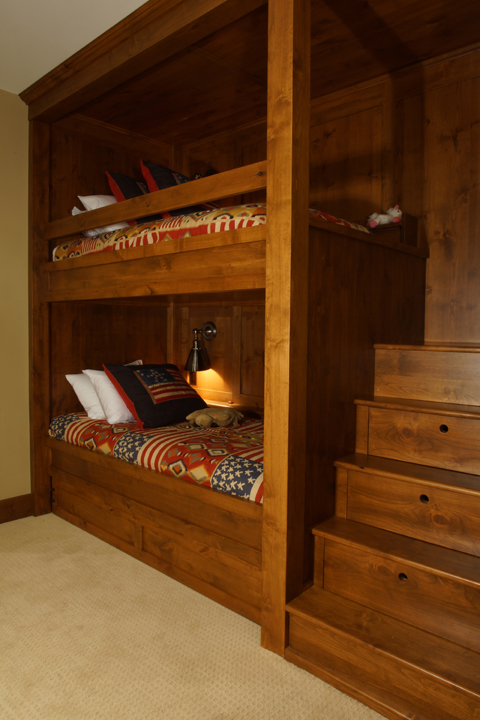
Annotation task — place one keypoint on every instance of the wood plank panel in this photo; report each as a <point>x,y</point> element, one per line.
<point>236,352</point>
<point>39,188</point>
<point>436,376</point>
<point>16,508</point>
<point>219,548</point>
<point>79,161</point>
<point>358,293</point>
<point>421,438</point>
<point>452,142</point>
<point>286,310</point>
<point>447,517</point>
<point>346,165</point>
<point>219,562</point>
<point>369,656</point>
<point>231,517</point>
<point>198,562</point>
<point>444,606</point>
<point>223,598</point>
<point>87,335</point>
<point>143,39</point>
<point>165,274</point>
<point>235,181</point>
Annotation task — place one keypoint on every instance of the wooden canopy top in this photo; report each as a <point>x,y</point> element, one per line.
<point>176,70</point>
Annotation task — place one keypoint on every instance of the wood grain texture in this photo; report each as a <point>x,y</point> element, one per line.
<point>142,40</point>
<point>443,605</point>
<point>370,656</point>
<point>199,538</point>
<point>361,430</point>
<point>167,269</point>
<point>210,188</point>
<point>438,376</point>
<point>39,191</point>
<point>358,293</point>
<point>212,510</point>
<point>445,516</point>
<point>16,508</point>
<point>286,311</point>
<point>87,335</point>
<point>341,492</point>
<point>418,437</point>
<point>236,354</point>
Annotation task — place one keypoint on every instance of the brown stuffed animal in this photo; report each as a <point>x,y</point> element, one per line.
<point>215,416</point>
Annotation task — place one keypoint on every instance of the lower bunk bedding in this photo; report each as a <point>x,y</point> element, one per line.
<point>228,459</point>
<point>126,485</point>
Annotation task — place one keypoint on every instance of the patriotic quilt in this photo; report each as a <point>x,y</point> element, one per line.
<point>228,459</point>
<point>179,227</point>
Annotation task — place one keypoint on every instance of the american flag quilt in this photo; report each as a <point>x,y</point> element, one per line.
<point>228,459</point>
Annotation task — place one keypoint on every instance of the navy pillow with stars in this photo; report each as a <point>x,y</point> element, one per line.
<point>156,395</point>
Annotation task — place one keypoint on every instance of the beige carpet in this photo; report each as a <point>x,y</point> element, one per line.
<point>87,632</point>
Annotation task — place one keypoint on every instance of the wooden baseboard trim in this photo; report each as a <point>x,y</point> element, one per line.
<point>16,508</point>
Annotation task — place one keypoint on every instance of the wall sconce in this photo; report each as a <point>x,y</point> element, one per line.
<point>198,358</point>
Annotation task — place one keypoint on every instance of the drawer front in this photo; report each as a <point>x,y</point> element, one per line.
<point>436,440</point>
<point>419,597</point>
<point>433,514</point>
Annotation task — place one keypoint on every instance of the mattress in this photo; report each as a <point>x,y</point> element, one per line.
<point>177,228</point>
<point>228,459</point>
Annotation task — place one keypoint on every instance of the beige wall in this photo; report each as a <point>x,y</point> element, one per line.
<point>14,441</point>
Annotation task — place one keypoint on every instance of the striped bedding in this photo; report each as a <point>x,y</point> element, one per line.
<point>227,459</point>
<point>177,228</point>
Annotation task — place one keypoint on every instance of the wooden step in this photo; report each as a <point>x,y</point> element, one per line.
<point>440,373</point>
<point>431,504</point>
<point>436,434</point>
<point>398,670</point>
<point>425,585</point>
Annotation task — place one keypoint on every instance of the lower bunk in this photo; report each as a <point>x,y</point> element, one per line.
<point>202,537</point>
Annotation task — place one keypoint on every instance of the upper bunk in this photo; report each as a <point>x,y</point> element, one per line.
<point>187,85</point>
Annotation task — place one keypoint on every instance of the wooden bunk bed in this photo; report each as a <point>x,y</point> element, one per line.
<point>299,302</point>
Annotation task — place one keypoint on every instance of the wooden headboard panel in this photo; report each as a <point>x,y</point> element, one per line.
<point>157,330</point>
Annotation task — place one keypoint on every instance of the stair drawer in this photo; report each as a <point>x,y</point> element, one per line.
<point>427,439</point>
<point>443,516</point>
<point>420,596</point>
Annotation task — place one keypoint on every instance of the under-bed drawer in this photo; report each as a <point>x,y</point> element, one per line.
<point>438,440</point>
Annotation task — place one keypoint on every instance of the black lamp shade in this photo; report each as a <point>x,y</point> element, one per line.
<point>198,360</point>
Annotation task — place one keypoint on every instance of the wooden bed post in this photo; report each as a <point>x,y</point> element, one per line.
<point>39,184</point>
<point>286,311</point>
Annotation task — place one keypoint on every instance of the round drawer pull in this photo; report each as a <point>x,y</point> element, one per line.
<point>444,428</point>
<point>424,499</point>
<point>402,577</point>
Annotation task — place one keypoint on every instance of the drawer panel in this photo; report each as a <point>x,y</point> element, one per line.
<point>441,605</point>
<point>437,515</point>
<point>426,439</point>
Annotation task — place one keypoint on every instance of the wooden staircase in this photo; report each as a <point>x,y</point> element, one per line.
<point>393,617</point>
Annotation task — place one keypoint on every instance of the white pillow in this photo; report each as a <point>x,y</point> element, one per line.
<point>113,406</point>
<point>93,202</point>
<point>87,395</point>
<point>100,230</point>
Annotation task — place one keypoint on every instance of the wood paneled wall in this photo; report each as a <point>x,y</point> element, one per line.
<point>87,335</point>
<point>237,352</point>
<point>412,138</point>
<point>84,149</point>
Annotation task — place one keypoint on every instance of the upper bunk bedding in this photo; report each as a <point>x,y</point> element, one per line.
<point>179,227</point>
<point>228,459</point>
